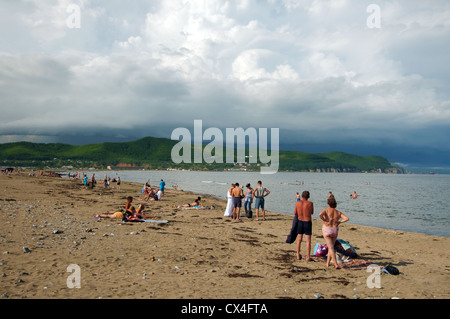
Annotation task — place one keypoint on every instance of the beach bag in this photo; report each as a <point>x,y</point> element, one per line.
<point>391,270</point>
<point>320,250</point>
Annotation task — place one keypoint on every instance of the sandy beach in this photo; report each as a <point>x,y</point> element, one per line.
<point>48,224</point>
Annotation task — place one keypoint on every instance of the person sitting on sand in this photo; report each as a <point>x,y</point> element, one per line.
<point>193,204</point>
<point>159,194</point>
<point>137,213</point>
<point>330,228</point>
<point>149,195</point>
<point>129,211</point>
<point>154,195</point>
<point>128,207</point>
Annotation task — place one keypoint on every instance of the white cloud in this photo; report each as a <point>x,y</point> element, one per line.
<point>274,63</point>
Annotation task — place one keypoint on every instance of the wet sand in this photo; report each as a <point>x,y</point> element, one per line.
<point>198,254</point>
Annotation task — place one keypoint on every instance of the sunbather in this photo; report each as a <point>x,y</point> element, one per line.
<point>193,204</point>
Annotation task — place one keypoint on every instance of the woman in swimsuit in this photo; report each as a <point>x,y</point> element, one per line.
<point>194,204</point>
<point>330,228</point>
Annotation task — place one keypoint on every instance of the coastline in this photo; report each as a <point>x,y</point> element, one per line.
<point>198,254</point>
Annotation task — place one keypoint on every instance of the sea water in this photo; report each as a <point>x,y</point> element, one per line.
<point>410,202</point>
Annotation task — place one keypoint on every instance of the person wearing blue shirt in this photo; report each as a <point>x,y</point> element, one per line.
<point>162,184</point>
<point>85,180</point>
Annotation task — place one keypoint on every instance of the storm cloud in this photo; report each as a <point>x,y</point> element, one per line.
<point>314,69</point>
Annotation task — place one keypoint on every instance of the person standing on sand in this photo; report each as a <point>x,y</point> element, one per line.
<point>248,201</point>
<point>85,181</point>
<point>237,195</point>
<point>330,228</point>
<point>118,182</point>
<point>93,180</point>
<point>304,210</point>
<point>229,209</point>
<point>259,193</point>
<point>162,185</point>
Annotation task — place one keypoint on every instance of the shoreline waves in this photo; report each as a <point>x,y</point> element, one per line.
<point>48,224</point>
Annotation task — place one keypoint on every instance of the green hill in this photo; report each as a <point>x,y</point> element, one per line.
<point>155,153</point>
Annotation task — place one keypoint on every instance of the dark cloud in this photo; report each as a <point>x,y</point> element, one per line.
<point>313,69</point>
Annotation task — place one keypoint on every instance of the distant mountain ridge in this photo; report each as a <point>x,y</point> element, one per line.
<point>155,153</point>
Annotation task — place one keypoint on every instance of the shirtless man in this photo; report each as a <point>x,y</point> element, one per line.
<point>237,195</point>
<point>304,210</point>
<point>259,193</point>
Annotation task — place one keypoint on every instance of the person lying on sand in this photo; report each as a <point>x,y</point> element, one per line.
<point>112,215</point>
<point>193,204</point>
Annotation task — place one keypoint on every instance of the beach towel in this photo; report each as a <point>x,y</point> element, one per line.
<point>343,247</point>
<point>155,221</point>
<point>354,264</point>
<point>145,221</point>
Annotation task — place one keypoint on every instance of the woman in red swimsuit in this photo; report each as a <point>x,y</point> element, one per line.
<point>330,228</point>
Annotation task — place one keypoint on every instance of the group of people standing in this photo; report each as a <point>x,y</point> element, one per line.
<point>237,194</point>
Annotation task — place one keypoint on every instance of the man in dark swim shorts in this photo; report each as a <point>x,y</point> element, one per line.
<point>304,210</point>
<point>237,195</point>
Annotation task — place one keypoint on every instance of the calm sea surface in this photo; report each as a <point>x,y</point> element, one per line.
<point>415,203</point>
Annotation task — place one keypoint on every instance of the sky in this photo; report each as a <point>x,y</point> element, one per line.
<point>365,77</point>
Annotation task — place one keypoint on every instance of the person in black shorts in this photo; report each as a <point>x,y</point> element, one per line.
<point>304,210</point>
<point>237,196</point>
